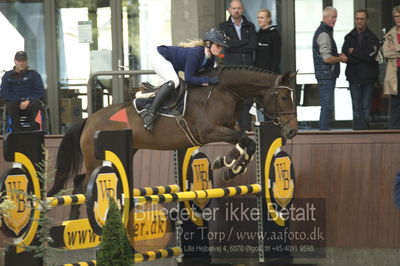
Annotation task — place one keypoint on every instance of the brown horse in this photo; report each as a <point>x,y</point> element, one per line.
<point>210,116</point>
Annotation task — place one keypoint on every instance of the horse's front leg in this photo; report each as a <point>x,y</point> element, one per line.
<point>239,157</point>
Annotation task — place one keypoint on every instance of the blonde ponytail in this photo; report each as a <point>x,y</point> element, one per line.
<point>191,43</point>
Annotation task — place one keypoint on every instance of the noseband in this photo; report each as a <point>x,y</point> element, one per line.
<point>275,116</point>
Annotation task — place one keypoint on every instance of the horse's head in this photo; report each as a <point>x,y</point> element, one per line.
<point>279,105</point>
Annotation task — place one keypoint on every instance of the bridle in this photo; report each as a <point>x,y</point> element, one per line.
<point>275,116</point>
<point>277,113</point>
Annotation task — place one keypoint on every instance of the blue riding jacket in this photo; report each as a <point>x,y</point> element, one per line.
<point>21,86</point>
<point>189,60</point>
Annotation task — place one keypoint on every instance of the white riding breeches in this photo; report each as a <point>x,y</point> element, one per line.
<point>163,67</point>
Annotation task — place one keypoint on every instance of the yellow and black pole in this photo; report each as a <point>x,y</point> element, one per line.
<point>213,193</point>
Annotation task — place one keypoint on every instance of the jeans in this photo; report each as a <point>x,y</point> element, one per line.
<point>361,96</point>
<point>326,94</point>
<point>14,111</point>
<point>394,120</point>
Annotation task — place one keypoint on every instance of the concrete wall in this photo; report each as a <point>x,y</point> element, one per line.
<point>190,19</point>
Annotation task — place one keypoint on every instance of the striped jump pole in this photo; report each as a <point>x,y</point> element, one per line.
<point>77,199</point>
<point>83,263</point>
<point>157,190</point>
<point>201,194</point>
<point>158,254</point>
<point>67,200</point>
<point>140,257</point>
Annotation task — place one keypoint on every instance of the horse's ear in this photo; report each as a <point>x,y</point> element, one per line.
<point>287,77</point>
<point>293,74</point>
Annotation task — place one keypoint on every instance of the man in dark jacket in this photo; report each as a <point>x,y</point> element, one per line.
<point>22,89</point>
<point>326,64</point>
<point>242,43</point>
<point>361,46</point>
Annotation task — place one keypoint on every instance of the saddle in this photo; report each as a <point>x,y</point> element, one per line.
<point>174,105</point>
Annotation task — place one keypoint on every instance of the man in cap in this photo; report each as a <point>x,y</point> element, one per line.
<point>22,88</point>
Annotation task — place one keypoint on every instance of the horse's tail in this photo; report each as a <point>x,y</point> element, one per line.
<point>69,158</point>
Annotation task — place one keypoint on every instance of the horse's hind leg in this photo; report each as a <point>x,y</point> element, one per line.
<point>78,189</point>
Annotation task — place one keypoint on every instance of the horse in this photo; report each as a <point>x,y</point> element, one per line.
<point>210,116</point>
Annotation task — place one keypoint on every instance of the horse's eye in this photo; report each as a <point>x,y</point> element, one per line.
<point>284,98</point>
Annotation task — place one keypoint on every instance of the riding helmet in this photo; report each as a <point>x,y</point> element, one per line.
<point>216,36</point>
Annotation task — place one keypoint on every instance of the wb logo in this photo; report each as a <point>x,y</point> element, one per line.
<point>106,184</point>
<point>283,175</point>
<point>201,178</point>
<point>200,173</point>
<point>107,188</point>
<point>17,191</point>
<point>283,186</point>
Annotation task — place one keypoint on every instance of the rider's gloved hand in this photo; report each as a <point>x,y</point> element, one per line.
<point>213,80</point>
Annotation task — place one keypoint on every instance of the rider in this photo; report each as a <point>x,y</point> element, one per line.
<point>189,58</point>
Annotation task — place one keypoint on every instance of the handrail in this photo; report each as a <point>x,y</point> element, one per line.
<point>111,73</point>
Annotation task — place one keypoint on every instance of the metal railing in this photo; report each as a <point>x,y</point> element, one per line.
<point>110,73</point>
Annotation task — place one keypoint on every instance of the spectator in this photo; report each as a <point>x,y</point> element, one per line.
<point>22,88</point>
<point>326,64</point>
<point>242,42</point>
<point>391,51</point>
<point>361,46</point>
<point>268,53</point>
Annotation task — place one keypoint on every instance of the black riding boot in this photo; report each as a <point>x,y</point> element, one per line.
<point>150,114</point>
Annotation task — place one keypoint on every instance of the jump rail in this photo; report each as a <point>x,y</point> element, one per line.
<point>78,199</point>
<point>201,194</point>
<point>140,257</point>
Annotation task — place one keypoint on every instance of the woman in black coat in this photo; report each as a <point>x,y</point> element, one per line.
<point>268,53</point>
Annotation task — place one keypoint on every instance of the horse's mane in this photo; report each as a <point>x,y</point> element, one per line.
<point>218,69</point>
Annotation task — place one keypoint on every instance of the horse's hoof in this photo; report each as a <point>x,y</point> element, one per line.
<point>227,176</point>
<point>218,163</point>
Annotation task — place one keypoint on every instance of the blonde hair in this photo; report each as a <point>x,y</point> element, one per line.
<point>266,11</point>
<point>191,43</point>
<point>396,9</point>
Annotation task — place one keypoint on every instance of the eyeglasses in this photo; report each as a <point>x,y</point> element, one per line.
<point>360,19</point>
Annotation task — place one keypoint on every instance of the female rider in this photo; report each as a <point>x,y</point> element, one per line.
<point>189,58</point>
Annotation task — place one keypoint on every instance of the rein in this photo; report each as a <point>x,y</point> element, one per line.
<point>275,116</point>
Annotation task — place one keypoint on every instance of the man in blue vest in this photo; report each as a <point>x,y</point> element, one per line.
<point>326,64</point>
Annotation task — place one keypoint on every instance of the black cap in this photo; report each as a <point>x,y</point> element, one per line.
<point>21,55</point>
